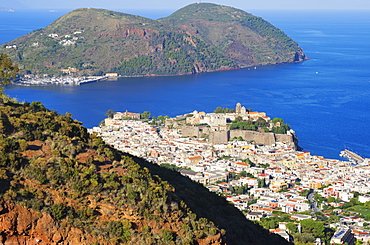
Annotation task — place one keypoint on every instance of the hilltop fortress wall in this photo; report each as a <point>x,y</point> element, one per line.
<point>223,136</point>
<point>219,137</point>
<point>257,137</point>
<point>214,127</point>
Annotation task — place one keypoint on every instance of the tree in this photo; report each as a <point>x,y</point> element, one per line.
<point>37,106</point>
<point>232,176</point>
<point>276,120</point>
<point>314,227</point>
<point>241,189</point>
<point>145,115</point>
<point>367,204</point>
<point>167,235</point>
<point>353,202</point>
<point>283,129</point>
<point>261,122</point>
<point>268,223</point>
<point>109,113</point>
<point>238,119</point>
<point>261,182</point>
<point>241,174</point>
<point>223,110</point>
<point>331,199</point>
<point>303,238</point>
<point>58,211</point>
<point>8,70</point>
<point>292,227</point>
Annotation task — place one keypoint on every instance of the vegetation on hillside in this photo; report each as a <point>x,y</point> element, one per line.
<point>279,126</point>
<point>50,164</point>
<point>197,38</point>
<point>223,110</point>
<point>310,229</point>
<point>8,70</point>
<point>177,57</point>
<point>240,36</point>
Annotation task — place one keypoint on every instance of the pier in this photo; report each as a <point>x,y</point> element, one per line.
<point>353,157</point>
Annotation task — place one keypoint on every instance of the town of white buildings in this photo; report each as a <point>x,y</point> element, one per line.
<point>286,172</point>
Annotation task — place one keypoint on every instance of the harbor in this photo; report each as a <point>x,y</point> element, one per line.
<point>353,157</point>
<point>62,80</point>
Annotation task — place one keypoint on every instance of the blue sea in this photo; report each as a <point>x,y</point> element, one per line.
<point>326,99</point>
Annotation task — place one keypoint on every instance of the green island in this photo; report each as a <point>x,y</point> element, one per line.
<point>201,37</point>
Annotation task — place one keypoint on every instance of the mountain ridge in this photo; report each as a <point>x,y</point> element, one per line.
<point>197,38</point>
<point>232,21</point>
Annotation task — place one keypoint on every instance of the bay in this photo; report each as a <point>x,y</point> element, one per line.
<point>324,99</point>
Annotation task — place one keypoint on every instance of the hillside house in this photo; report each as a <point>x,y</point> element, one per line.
<point>343,236</point>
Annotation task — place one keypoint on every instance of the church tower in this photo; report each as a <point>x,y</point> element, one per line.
<point>238,108</point>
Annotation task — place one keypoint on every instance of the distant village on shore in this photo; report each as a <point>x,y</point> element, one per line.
<point>67,80</point>
<point>262,173</point>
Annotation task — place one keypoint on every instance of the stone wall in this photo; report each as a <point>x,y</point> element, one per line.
<point>257,137</point>
<point>189,131</point>
<point>247,135</point>
<point>219,137</point>
<point>284,138</point>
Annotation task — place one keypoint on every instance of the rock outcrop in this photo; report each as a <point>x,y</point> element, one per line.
<point>20,225</point>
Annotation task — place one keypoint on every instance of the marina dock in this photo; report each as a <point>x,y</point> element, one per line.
<point>63,80</point>
<point>353,157</point>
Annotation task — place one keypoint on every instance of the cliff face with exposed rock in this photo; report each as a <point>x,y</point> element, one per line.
<point>20,225</point>
<point>197,38</point>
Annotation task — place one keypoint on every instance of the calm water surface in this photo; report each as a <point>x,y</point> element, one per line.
<point>325,99</point>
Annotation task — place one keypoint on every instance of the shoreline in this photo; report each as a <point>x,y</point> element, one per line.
<point>63,80</point>
<point>76,81</point>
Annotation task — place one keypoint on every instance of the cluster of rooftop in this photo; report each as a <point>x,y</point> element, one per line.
<point>259,179</point>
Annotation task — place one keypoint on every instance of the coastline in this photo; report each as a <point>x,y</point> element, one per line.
<point>33,80</point>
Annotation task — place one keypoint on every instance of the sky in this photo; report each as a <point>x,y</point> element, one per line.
<point>176,4</point>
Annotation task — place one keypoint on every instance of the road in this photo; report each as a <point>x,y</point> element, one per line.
<point>312,201</point>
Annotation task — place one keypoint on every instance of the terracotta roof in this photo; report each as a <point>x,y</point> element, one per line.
<point>195,158</point>
<point>242,163</point>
